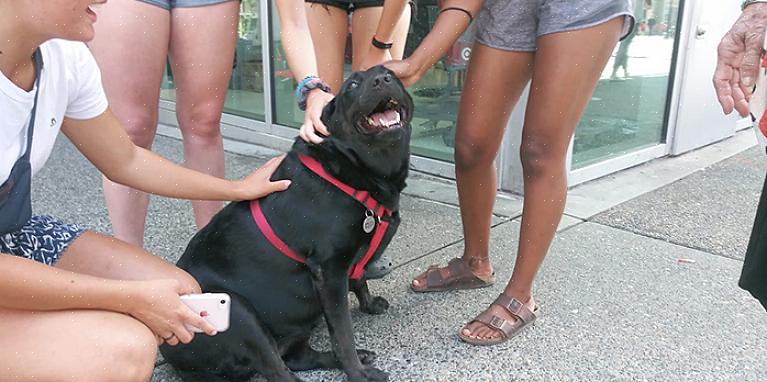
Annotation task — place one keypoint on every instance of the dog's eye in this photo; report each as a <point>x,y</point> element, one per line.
<point>353,84</point>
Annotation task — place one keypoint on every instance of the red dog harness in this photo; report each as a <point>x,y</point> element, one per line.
<point>373,210</point>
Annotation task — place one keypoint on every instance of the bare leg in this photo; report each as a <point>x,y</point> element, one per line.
<point>329,27</point>
<point>364,25</point>
<point>559,94</point>
<point>202,52</point>
<point>131,45</point>
<point>104,256</point>
<point>75,346</point>
<point>494,83</point>
<point>116,346</point>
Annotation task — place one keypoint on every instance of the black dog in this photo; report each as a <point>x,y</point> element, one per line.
<point>276,300</point>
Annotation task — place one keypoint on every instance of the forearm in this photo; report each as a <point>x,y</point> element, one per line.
<point>149,172</point>
<point>448,27</point>
<point>297,39</point>
<point>28,285</point>
<point>392,12</point>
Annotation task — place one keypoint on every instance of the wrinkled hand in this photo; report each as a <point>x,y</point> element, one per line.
<point>158,305</point>
<point>406,71</point>
<point>739,54</point>
<point>315,102</point>
<point>375,57</point>
<point>258,183</point>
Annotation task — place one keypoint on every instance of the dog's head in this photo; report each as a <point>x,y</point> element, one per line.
<point>369,120</point>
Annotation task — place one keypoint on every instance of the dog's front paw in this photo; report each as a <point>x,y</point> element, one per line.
<point>370,374</point>
<point>367,357</point>
<point>378,305</point>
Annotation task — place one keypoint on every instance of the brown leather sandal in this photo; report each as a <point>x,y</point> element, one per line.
<point>508,330</point>
<point>453,277</point>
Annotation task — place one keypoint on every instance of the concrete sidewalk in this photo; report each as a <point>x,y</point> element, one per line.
<point>616,303</point>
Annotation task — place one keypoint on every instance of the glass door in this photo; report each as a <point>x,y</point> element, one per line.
<point>629,108</point>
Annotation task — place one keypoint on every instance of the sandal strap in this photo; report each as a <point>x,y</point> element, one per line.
<point>516,308</point>
<point>455,268</point>
<point>502,325</point>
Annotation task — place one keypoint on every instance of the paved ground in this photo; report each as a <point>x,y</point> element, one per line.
<point>711,210</point>
<point>616,304</point>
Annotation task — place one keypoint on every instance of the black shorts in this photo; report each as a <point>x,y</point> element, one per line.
<point>754,275</point>
<point>350,6</point>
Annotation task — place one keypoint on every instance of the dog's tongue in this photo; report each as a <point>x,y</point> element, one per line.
<point>386,118</point>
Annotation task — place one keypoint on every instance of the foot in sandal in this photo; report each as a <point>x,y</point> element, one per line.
<point>458,274</point>
<point>503,320</point>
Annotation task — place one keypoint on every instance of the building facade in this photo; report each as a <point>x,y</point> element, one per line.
<point>654,98</point>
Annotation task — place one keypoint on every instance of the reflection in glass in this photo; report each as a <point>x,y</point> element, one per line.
<point>628,109</point>
<point>283,84</point>
<point>436,95</point>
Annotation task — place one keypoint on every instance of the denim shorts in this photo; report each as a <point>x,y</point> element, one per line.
<point>515,25</point>
<point>169,4</point>
<point>43,239</point>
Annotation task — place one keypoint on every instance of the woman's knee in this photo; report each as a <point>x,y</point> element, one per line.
<point>140,124</point>
<point>188,282</point>
<point>202,120</point>
<point>541,158</point>
<point>472,152</point>
<point>133,349</point>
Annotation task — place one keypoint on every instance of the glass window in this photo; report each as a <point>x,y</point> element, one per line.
<point>436,95</point>
<point>246,87</point>
<point>628,109</point>
<point>283,84</point>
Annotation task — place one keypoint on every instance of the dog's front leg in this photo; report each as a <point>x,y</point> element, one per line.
<point>332,286</point>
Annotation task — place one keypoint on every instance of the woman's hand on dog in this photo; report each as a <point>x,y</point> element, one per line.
<point>407,71</point>
<point>158,305</point>
<point>315,103</point>
<point>258,183</point>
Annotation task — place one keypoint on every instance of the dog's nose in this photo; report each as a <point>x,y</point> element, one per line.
<point>381,80</point>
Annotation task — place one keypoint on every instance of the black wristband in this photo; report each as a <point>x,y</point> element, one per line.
<point>381,45</point>
<point>471,18</point>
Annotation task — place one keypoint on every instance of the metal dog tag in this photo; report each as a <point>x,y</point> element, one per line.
<point>369,223</point>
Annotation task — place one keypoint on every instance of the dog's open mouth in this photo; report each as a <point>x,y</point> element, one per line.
<point>387,115</point>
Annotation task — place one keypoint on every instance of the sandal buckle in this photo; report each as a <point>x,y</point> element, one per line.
<point>497,322</point>
<point>515,305</point>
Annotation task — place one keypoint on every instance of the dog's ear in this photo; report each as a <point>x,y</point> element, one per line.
<point>328,111</point>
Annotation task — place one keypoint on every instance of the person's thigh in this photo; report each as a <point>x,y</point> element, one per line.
<point>131,46</point>
<point>76,346</point>
<point>202,55</point>
<point>364,25</point>
<point>494,83</point>
<point>329,26</point>
<point>107,257</point>
<point>567,67</point>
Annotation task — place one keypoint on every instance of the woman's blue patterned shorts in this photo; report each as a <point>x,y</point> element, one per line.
<point>43,239</point>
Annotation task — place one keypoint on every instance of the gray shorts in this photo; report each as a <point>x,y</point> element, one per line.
<point>515,25</point>
<point>169,4</point>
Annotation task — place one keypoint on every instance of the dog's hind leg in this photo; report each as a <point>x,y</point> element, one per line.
<point>258,347</point>
<point>368,303</point>
<point>300,356</point>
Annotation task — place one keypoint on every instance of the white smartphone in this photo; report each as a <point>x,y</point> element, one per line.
<point>214,307</point>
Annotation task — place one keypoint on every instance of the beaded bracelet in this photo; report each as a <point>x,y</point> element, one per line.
<point>306,85</point>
